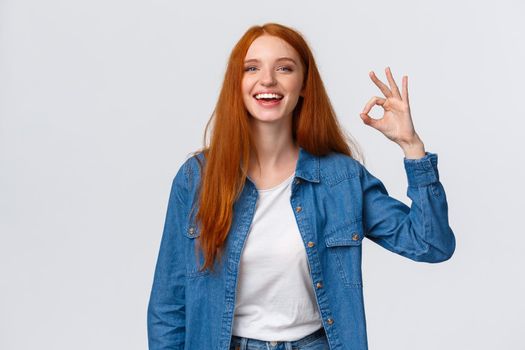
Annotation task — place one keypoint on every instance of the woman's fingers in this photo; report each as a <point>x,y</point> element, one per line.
<point>367,120</point>
<point>375,100</point>
<point>405,88</point>
<point>383,87</point>
<point>391,81</point>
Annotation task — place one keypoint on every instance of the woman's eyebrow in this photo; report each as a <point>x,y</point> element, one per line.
<point>277,60</point>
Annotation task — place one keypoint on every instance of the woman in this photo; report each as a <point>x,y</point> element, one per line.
<point>261,246</point>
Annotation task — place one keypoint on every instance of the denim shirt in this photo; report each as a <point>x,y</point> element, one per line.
<point>337,202</point>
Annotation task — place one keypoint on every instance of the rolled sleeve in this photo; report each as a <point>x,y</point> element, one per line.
<point>422,171</point>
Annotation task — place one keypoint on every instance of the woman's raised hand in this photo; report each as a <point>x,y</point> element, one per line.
<point>396,123</point>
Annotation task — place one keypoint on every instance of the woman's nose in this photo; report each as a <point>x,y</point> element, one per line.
<point>267,78</point>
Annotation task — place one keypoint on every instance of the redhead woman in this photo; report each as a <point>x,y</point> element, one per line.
<point>262,242</point>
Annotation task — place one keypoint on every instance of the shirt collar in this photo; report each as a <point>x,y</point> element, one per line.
<point>307,166</point>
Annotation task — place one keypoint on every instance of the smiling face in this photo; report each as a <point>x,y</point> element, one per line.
<point>272,80</point>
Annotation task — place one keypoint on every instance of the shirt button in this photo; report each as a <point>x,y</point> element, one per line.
<point>319,285</point>
<point>297,181</point>
<point>330,321</point>
<point>273,343</point>
<point>191,230</point>
<point>311,244</point>
<point>298,209</point>
<point>355,237</point>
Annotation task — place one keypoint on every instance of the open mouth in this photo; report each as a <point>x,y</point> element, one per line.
<point>268,97</point>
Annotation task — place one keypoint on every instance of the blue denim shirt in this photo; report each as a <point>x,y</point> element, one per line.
<point>337,202</point>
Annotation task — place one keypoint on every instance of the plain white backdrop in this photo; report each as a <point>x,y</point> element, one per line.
<point>101,102</point>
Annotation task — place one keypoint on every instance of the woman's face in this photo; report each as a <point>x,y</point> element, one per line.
<point>272,80</point>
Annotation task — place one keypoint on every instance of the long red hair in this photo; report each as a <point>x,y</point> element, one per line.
<point>314,127</point>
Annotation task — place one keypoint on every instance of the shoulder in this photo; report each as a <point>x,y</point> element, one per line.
<point>188,173</point>
<point>336,167</point>
<point>193,163</point>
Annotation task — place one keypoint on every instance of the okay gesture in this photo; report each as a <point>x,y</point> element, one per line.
<point>396,123</point>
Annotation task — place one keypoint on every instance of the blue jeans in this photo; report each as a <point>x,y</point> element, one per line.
<point>314,341</point>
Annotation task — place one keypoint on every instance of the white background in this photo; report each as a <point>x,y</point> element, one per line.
<point>101,101</point>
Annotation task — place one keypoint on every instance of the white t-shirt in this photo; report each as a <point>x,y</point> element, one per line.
<point>275,300</point>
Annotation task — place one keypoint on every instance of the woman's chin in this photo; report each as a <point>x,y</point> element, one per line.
<point>267,117</point>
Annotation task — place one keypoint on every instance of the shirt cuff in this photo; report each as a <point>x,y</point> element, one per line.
<point>422,171</point>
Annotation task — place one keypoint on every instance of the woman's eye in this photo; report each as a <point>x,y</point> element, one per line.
<point>286,68</point>
<point>283,68</point>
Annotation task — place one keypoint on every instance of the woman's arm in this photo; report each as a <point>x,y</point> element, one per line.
<point>420,232</point>
<point>166,308</point>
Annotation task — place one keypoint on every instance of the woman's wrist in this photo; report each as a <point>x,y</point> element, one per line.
<point>413,149</point>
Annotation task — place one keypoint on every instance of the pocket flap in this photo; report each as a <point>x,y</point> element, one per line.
<point>350,233</point>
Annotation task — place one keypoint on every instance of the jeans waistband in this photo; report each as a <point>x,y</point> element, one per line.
<point>296,343</point>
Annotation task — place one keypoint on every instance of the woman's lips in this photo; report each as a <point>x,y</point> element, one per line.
<point>268,104</point>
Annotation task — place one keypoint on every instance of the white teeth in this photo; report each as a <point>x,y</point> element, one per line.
<point>259,96</point>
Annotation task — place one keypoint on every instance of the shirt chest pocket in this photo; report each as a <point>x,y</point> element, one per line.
<point>344,246</point>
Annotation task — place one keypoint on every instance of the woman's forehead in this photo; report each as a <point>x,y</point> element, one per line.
<point>270,47</point>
